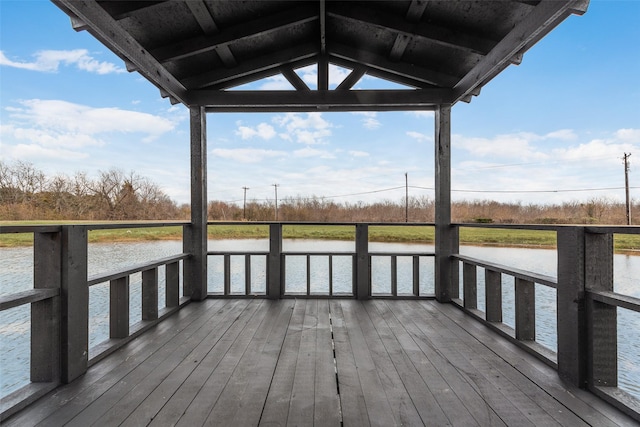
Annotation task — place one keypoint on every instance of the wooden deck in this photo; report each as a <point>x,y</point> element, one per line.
<point>319,362</point>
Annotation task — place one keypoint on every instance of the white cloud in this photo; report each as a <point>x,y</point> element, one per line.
<point>307,129</point>
<point>312,152</point>
<point>263,130</point>
<point>64,117</point>
<point>562,134</point>
<point>420,137</point>
<point>518,145</point>
<point>356,153</point>
<point>277,82</point>
<point>34,151</point>
<point>60,129</point>
<point>369,120</point>
<point>421,114</point>
<point>246,155</point>
<point>595,150</point>
<point>628,135</point>
<point>50,61</point>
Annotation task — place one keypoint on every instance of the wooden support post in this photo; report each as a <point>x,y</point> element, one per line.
<point>150,294</point>
<point>227,274</point>
<point>416,275</point>
<point>247,274</point>
<point>308,274</point>
<point>74,303</point>
<point>45,315</point>
<point>119,308</point>
<point>525,299</point>
<point>363,273</point>
<point>172,284</point>
<point>274,266</point>
<point>394,275</point>
<point>443,244</point>
<point>195,239</point>
<point>570,305</point>
<point>493,295</point>
<point>470,285</point>
<point>602,321</point>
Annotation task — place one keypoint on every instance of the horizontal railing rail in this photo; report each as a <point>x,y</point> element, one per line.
<point>278,283</point>
<point>586,305</point>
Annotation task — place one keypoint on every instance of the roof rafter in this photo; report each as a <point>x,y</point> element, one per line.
<point>414,14</point>
<point>200,11</point>
<point>431,32</point>
<point>532,28</point>
<point>107,30</point>
<point>382,63</point>
<point>256,28</point>
<point>253,69</point>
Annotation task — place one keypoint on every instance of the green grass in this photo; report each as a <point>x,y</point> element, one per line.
<point>409,234</point>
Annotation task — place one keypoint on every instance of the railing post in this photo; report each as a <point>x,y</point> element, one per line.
<point>493,295</point>
<point>570,305</point>
<point>602,342</point>
<point>45,315</point>
<point>119,307</point>
<point>363,274</point>
<point>150,294</point>
<point>74,303</point>
<point>274,266</point>
<point>470,285</point>
<point>525,301</point>
<point>172,284</point>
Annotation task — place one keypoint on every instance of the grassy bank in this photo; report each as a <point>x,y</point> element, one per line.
<point>407,234</point>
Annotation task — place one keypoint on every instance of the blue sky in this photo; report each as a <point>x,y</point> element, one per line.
<point>557,123</point>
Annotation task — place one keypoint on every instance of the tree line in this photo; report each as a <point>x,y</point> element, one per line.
<point>597,210</point>
<point>26,193</point>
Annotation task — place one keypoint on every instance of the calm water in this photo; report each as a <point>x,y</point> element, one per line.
<point>16,266</point>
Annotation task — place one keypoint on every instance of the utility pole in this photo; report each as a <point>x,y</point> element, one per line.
<point>626,186</point>
<point>244,203</point>
<point>406,197</point>
<point>275,186</point>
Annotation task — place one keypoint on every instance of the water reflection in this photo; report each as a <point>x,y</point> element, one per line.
<point>16,267</point>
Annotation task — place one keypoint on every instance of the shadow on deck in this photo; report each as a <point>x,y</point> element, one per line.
<point>323,362</point>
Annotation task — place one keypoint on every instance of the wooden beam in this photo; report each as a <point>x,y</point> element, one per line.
<point>294,79</point>
<point>119,10</point>
<point>195,240</point>
<point>443,231</point>
<point>200,11</point>
<point>423,31</point>
<point>354,77</point>
<point>384,75</point>
<point>375,61</point>
<point>380,100</point>
<point>247,30</point>
<point>542,19</point>
<point>112,35</point>
<point>252,69</point>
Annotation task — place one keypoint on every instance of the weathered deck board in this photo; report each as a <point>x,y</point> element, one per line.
<point>261,362</point>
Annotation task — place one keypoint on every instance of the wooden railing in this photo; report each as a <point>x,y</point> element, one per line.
<point>277,286</point>
<point>586,306</point>
<point>60,306</point>
<point>586,302</point>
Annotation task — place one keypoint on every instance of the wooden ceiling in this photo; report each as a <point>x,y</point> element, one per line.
<point>441,51</point>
